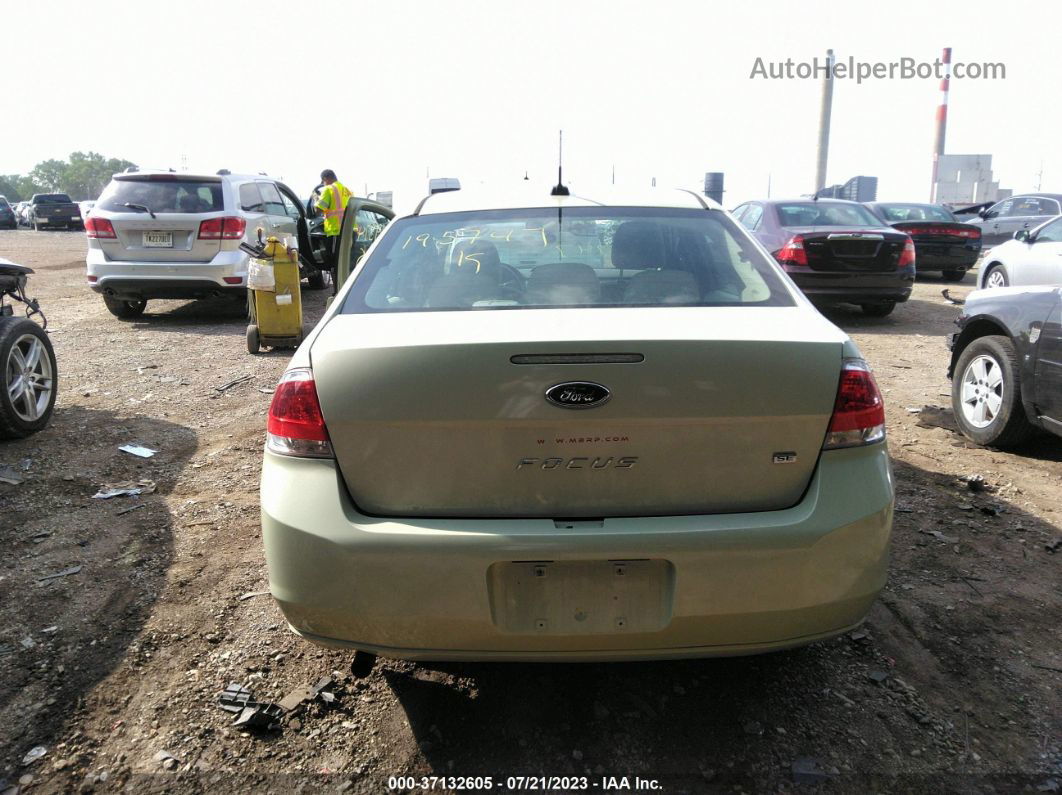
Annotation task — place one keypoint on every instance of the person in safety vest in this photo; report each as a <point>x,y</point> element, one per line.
<point>333,201</point>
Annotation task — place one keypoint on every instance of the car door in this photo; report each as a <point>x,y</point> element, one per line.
<point>280,222</point>
<point>362,223</point>
<point>1049,366</point>
<point>252,206</point>
<point>1041,260</point>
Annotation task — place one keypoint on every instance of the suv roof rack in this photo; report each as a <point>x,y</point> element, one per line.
<point>131,170</point>
<point>223,172</point>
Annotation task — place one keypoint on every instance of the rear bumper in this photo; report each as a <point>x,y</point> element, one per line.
<point>139,290</point>
<point>428,589</point>
<point>855,288</point>
<point>945,262</point>
<point>132,280</point>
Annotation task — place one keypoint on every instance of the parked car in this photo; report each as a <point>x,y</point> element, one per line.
<point>1031,257</point>
<point>160,234</point>
<point>28,371</point>
<point>942,242</point>
<point>1006,365</point>
<point>836,251</point>
<point>8,220</point>
<point>22,213</point>
<point>1000,221</point>
<point>53,209</point>
<point>556,427</point>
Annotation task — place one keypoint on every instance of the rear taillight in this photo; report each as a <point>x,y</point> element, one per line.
<point>858,413</point>
<point>943,231</point>
<point>792,253</point>
<point>296,426</point>
<point>99,228</point>
<point>907,256</point>
<point>231,228</point>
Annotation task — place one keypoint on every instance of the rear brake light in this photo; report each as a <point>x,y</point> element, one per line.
<point>907,256</point>
<point>231,228</point>
<point>859,412</point>
<point>296,425</point>
<point>99,228</point>
<point>943,231</point>
<point>792,253</point>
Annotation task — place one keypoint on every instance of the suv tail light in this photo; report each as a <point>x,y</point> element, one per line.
<point>907,256</point>
<point>99,227</point>
<point>859,412</point>
<point>296,426</point>
<point>230,228</point>
<point>792,253</point>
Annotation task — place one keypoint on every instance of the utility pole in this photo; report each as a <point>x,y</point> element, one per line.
<point>825,110</point>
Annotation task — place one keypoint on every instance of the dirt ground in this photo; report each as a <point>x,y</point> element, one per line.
<point>952,685</point>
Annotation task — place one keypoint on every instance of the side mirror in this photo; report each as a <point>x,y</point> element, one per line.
<point>985,214</point>
<point>1023,235</point>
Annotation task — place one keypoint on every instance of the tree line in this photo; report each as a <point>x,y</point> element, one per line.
<point>83,176</point>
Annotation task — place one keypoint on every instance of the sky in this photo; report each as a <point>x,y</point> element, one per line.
<point>391,92</point>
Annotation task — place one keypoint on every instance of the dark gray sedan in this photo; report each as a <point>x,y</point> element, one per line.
<point>1000,221</point>
<point>835,251</point>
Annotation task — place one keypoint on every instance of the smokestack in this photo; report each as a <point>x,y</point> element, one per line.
<point>824,124</point>
<point>942,124</point>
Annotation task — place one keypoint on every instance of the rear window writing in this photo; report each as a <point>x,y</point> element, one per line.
<point>176,196</point>
<point>586,256</point>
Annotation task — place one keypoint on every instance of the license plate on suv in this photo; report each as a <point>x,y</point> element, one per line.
<point>158,240</point>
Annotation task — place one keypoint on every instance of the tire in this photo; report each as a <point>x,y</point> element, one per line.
<point>954,274</point>
<point>986,394</point>
<point>878,310</point>
<point>996,276</point>
<point>29,375</point>
<point>126,310</point>
<point>254,342</point>
<point>316,280</point>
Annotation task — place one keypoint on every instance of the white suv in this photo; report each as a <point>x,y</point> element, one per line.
<point>160,234</point>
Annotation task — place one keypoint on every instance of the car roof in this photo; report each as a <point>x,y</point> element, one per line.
<point>1055,196</point>
<point>533,195</point>
<point>808,200</point>
<point>187,175</point>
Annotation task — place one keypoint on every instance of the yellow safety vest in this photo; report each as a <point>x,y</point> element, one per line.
<point>332,203</point>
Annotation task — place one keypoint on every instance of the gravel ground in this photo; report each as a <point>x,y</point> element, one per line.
<point>952,685</point>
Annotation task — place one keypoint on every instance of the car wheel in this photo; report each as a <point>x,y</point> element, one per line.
<point>996,277</point>
<point>986,394</point>
<point>316,279</point>
<point>954,274</point>
<point>878,310</point>
<point>126,310</point>
<point>254,342</point>
<point>27,393</point>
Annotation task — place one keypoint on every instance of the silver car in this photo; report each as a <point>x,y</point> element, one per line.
<point>561,427</point>
<point>1031,257</point>
<point>160,234</point>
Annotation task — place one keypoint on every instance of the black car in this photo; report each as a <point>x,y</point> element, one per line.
<point>835,251</point>
<point>1006,365</point>
<point>942,242</point>
<point>7,215</point>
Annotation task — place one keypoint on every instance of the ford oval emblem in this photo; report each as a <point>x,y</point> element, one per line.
<point>578,395</point>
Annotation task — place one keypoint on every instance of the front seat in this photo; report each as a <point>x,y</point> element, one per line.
<point>640,245</point>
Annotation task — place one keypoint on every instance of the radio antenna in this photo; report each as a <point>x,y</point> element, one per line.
<point>560,189</point>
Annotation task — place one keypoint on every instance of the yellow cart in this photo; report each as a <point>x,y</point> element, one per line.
<point>276,314</point>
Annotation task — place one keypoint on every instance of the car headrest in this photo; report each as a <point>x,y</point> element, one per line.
<point>638,244</point>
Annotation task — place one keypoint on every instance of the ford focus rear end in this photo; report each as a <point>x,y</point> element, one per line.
<point>574,432</point>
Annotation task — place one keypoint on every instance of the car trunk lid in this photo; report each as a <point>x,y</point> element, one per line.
<point>839,248</point>
<point>445,413</point>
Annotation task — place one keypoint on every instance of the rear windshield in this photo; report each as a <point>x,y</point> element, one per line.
<point>894,213</point>
<point>576,257</point>
<point>52,198</point>
<point>825,214</point>
<point>162,196</point>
